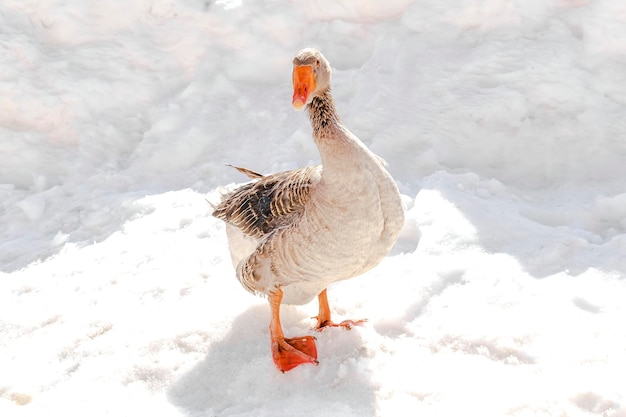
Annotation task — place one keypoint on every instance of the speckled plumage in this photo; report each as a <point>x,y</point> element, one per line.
<point>273,202</point>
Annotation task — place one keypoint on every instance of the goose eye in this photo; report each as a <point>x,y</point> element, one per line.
<point>316,66</point>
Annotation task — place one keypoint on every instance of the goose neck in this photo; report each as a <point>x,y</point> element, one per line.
<point>323,114</point>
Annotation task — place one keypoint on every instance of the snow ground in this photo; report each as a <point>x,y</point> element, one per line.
<point>502,122</point>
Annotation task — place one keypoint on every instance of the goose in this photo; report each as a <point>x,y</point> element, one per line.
<point>292,234</point>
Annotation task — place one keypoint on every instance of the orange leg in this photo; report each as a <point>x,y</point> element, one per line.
<point>323,319</point>
<point>288,352</point>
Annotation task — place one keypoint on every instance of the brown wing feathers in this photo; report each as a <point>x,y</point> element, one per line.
<point>273,201</point>
<point>246,171</point>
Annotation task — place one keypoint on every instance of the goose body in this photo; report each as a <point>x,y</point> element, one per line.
<point>294,233</point>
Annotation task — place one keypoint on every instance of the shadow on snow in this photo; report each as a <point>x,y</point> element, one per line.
<point>238,377</point>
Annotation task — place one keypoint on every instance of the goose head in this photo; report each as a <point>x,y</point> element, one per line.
<point>311,76</point>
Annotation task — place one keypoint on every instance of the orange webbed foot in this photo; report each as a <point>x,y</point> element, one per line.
<point>289,353</point>
<point>323,319</point>
<point>346,324</point>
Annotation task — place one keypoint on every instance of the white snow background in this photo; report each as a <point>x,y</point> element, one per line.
<point>503,122</point>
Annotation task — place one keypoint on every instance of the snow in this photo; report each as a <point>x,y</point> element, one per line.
<point>502,123</point>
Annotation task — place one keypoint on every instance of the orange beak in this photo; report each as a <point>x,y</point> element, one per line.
<point>303,85</point>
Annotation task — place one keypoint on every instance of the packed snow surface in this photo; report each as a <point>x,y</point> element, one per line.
<point>503,123</point>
